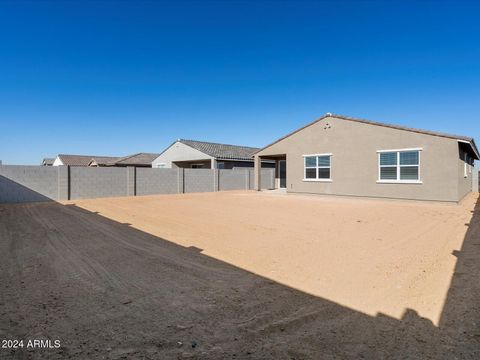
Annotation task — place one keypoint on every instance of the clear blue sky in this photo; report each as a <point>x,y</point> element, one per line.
<point>113,78</point>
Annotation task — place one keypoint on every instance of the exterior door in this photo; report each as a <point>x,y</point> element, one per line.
<point>282,173</point>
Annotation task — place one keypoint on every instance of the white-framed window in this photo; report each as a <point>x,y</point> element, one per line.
<point>317,167</point>
<point>161,165</point>
<point>399,166</point>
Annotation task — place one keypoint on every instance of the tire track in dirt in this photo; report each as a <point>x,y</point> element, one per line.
<point>69,258</point>
<point>147,245</point>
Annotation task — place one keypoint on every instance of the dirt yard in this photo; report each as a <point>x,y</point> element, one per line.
<point>241,275</point>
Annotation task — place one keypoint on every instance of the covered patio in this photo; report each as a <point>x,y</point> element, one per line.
<point>280,170</point>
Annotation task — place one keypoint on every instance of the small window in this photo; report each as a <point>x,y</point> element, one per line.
<point>399,166</point>
<point>317,167</point>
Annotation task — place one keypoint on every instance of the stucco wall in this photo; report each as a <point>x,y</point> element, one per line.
<point>178,152</point>
<point>354,161</point>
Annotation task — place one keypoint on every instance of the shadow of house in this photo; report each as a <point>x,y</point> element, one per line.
<point>108,290</point>
<point>461,313</point>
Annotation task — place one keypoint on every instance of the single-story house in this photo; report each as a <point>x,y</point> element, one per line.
<point>97,161</point>
<point>339,155</point>
<point>206,155</point>
<point>136,160</point>
<point>48,161</point>
<point>83,160</point>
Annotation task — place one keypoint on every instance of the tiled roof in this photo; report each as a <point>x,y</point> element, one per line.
<point>48,161</point>
<point>137,159</point>
<point>84,160</point>
<point>221,151</point>
<point>104,160</point>
<point>398,127</point>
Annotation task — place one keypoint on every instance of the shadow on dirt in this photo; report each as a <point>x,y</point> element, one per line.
<point>108,290</point>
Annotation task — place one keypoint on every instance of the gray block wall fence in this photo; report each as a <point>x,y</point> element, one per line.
<point>43,183</point>
<point>475,180</point>
<point>29,183</point>
<point>91,182</point>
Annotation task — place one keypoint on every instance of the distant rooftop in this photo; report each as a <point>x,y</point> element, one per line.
<point>139,159</point>
<point>84,160</point>
<point>48,161</point>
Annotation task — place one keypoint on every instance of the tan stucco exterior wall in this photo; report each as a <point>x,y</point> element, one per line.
<point>179,152</point>
<point>354,161</point>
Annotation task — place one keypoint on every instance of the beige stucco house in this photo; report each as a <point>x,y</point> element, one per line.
<point>338,155</point>
<point>206,155</point>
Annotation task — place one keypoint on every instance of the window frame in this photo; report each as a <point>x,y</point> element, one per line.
<point>316,167</point>
<point>398,166</point>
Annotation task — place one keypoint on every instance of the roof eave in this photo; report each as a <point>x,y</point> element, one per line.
<point>472,145</point>
<point>374,123</point>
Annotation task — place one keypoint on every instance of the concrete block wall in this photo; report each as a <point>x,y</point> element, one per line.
<point>159,181</point>
<point>97,182</point>
<point>28,183</point>
<point>44,183</point>
<point>199,180</point>
<point>131,181</point>
<point>267,179</point>
<point>475,180</point>
<point>233,179</point>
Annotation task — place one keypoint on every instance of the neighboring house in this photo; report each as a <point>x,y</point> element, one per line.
<point>339,155</point>
<point>48,161</point>
<point>206,155</point>
<point>136,160</point>
<point>83,160</point>
<point>97,161</point>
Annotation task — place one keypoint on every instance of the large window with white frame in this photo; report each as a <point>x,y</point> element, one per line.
<point>402,166</point>
<point>317,167</point>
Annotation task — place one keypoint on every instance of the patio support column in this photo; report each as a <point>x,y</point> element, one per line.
<point>257,172</point>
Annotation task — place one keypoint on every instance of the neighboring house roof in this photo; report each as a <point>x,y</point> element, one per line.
<point>221,151</point>
<point>82,160</point>
<point>398,127</point>
<point>137,159</point>
<point>48,161</point>
<point>103,160</point>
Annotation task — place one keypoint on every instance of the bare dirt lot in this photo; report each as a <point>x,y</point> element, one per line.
<point>241,275</point>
